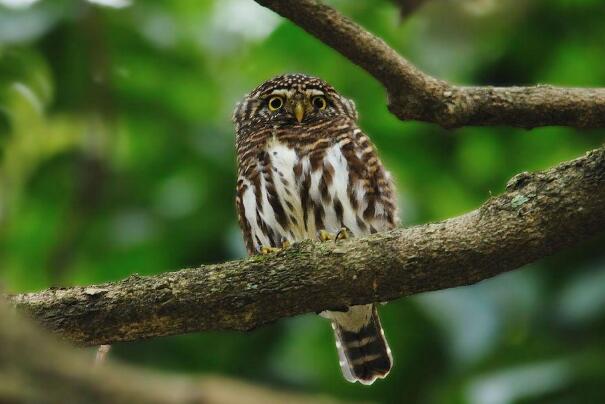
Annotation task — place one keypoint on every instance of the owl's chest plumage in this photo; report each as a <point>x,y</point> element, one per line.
<point>291,185</point>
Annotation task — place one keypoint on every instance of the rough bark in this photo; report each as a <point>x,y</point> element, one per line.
<point>413,94</point>
<point>537,215</point>
<point>34,368</point>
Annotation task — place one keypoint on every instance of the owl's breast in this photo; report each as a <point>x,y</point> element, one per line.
<point>284,171</point>
<point>297,192</point>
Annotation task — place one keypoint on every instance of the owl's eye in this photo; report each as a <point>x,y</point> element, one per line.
<point>319,102</point>
<point>275,103</point>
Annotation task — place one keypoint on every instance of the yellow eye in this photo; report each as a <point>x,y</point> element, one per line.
<point>275,103</point>
<point>319,102</point>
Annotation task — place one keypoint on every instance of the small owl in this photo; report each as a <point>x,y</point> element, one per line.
<point>305,169</point>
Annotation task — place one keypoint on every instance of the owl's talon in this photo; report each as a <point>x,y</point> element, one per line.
<point>325,235</point>
<point>342,234</point>
<point>264,250</point>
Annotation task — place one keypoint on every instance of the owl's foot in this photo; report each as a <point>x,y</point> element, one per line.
<point>342,234</point>
<point>325,235</point>
<point>264,250</point>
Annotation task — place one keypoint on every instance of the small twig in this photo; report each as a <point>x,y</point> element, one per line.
<point>102,352</point>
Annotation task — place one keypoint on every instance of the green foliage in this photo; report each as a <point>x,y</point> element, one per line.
<point>116,157</point>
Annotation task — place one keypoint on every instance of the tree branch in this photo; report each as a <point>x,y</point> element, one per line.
<point>415,95</point>
<point>537,215</point>
<point>34,368</point>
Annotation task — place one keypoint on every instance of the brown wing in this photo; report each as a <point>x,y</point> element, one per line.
<point>365,166</point>
<point>380,186</point>
<point>241,216</point>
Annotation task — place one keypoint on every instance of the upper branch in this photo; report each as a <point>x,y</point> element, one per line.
<point>416,95</point>
<point>537,215</point>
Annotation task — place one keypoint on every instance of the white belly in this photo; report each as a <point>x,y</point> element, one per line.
<point>288,187</point>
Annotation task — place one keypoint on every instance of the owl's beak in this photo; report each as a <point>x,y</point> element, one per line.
<point>299,111</point>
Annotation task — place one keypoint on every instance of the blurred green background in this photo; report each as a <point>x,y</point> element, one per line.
<point>117,157</point>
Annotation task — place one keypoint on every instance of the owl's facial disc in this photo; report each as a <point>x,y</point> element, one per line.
<point>291,100</point>
<point>295,104</point>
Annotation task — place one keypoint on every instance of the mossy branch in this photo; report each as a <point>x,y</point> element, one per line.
<point>538,214</point>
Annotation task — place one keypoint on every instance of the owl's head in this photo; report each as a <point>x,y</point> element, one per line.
<point>291,100</point>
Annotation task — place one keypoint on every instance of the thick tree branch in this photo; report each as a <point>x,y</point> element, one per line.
<point>537,215</point>
<point>415,95</point>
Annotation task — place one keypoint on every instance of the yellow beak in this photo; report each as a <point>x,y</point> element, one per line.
<point>299,111</point>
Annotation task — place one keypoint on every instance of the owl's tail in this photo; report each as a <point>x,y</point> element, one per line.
<point>362,348</point>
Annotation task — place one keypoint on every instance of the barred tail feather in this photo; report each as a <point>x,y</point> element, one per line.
<point>363,351</point>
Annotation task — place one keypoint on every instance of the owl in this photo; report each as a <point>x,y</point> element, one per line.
<point>305,170</point>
